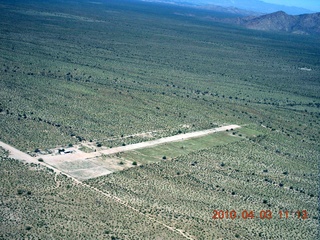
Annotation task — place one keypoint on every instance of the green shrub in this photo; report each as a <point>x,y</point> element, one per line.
<point>28,228</point>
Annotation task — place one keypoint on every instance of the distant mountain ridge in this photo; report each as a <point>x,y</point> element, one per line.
<point>282,22</point>
<point>247,5</point>
<point>278,21</point>
<point>256,6</point>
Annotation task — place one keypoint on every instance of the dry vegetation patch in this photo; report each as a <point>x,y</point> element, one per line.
<point>36,204</point>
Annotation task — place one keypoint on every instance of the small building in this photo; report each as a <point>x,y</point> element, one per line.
<point>63,151</point>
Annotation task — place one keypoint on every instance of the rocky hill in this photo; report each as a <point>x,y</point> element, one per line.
<point>280,21</point>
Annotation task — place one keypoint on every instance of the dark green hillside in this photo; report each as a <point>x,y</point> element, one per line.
<point>75,71</point>
<point>101,70</point>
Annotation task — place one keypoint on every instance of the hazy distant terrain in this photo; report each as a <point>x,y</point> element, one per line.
<point>256,6</point>
<point>252,14</point>
<point>99,75</point>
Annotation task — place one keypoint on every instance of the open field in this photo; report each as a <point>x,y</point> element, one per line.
<point>169,150</point>
<point>106,76</point>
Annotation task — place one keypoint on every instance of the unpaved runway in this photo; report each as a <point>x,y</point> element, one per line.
<point>176,138</point>
<point>81,165</point>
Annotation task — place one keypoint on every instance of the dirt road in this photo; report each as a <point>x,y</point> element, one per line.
<point>17,154</point>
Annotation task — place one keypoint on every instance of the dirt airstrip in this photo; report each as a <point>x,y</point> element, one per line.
<point>82,166</point>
